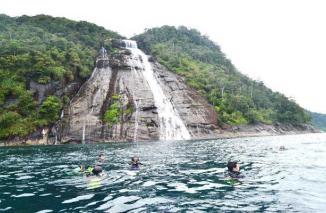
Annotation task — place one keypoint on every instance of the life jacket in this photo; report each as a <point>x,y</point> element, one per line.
<point>89,171</point>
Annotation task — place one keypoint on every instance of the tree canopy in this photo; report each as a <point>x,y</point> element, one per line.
<point>42,49</point>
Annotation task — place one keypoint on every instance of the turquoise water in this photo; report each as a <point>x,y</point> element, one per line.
<point>184,176</point>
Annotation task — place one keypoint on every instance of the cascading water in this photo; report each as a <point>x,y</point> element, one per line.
<point>171,125</point>
<point>83,133</point>
<point>136,118</point>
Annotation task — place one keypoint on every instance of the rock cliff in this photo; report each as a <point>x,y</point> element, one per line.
<point>121,76</point>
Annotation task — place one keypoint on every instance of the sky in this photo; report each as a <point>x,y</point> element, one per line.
<point>279,42</point>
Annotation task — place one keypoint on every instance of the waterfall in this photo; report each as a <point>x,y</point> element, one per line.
<point>83,134</point>
<point>171,125</point>
<point>136,119</point>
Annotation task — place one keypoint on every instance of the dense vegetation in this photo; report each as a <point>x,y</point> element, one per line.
<point>319,120</point>
<point>42,49</point>
<point>237,98</point>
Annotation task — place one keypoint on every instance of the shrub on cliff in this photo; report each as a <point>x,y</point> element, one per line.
<point>113,113</point>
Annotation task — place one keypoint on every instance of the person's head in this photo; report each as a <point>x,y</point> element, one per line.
<point>97,170</point>
<point>135,159</point>
<point>233,166</point>
<point>81,168</point>
<point>101,156</point>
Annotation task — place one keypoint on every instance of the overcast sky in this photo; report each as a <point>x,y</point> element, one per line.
<point>281,42</point>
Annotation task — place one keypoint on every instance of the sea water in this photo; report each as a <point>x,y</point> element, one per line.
<point>180,176</point>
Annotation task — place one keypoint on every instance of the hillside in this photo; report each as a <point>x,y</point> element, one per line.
<point>44,61</point>
<point>318,120</point>
<point>40,52</point>
<point>237,98</point>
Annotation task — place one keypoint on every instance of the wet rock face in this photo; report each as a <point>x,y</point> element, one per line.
<point>121,77</point>
<point>119,60</point>
<point>41,91</point>
<point>118,43</point>
<point>57,88</point>
<point>82,116</point>
<point>199,117</point>
<point>143,121</point>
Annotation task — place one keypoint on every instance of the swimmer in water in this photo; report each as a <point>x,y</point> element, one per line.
<point>234,170</point>
<point>135,163</point>
<point>100,160</point>
<point>93,171</point>
<point>97,171</point>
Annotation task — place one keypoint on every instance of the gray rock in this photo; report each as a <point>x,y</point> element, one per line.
<point>199,117</point>
<point>120,75</point>
<point>43,90</point>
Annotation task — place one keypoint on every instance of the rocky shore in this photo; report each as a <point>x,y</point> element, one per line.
<point>258,130</point>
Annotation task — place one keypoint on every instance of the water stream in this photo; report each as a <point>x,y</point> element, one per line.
<point>136,118</point>
<point>171,125</point>
<point>83,132</point>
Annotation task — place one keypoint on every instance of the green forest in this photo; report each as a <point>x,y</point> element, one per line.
<point>42,49</point>
<point>237,98</point>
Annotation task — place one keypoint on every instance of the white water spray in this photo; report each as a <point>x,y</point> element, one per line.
<point>83,134</point>
<point>136,118</point>
<point>171,125</point>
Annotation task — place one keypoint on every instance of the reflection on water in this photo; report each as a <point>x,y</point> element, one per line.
<point>176,176</point>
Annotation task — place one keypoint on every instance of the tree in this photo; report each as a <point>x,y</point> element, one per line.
<point>26,104</point>
<point>50,109</point>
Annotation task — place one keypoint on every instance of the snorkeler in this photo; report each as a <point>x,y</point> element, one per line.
<point>91,171</point>
<point>135,163</point>
<point>97,171</point>
<point>100,160</point>
<point>234,170</point>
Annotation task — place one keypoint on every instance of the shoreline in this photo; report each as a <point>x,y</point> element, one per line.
<point>246,131</point>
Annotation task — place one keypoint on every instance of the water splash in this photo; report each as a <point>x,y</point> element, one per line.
<point>171,125</point>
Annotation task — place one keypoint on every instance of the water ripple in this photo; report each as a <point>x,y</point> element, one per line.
<point>176,177</point>
<point>24,195</point>
<point>79,198</point>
